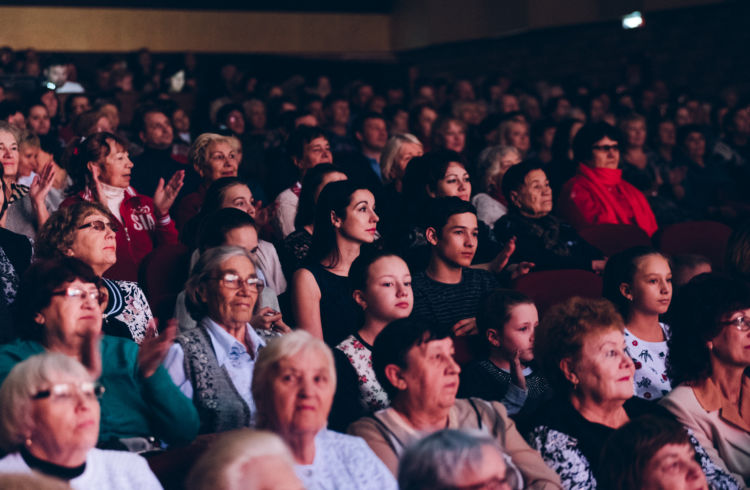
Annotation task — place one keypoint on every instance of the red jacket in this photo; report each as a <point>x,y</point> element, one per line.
<point>139,233</point>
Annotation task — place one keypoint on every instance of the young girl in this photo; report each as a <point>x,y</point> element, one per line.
<point>639,282</point>
<point>345,219</point>
<point>381,286</point>
<point>507,319</point>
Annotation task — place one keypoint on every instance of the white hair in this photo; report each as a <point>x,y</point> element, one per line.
<point>390,152</point>
<point>25,380</point>
<point>223,465</point>
<point>490,164</point>
<point>439,459</point>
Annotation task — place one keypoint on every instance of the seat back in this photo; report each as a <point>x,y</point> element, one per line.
<point>162,276</point>
<point>614,238</point>
<point>548,288</point>
<point>707,238</point>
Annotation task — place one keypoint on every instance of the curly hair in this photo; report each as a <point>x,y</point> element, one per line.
<point>563,330</point>
<point>57,234</point>
<point>699,308</point>
<point>198,153</point>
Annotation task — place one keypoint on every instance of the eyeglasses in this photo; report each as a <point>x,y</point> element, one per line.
<point>231,280</point>
<point>68,392</point>
<point>100,225</point>
<point>80,294</point>
<point>741,323</point>
<point>606,148</point>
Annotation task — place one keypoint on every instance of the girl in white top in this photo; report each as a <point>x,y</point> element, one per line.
<point>639,282</point>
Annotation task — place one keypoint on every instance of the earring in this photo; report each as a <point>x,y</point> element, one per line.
<point>28,442</point>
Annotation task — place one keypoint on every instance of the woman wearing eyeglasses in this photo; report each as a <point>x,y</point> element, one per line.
<point>50,424</point>
<point>709,357</point>
<point>87,231</point>
<point>100,168</point>
<point>213,363</point>
<point>597,193</point>
<point>60,310</point>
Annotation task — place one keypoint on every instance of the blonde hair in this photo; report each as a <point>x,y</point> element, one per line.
<point>490,164</point>
<point>289,345</point>
<point>198,153</point>
<point>25,380</point>
<point>391,150</point>
<point>223,466</point>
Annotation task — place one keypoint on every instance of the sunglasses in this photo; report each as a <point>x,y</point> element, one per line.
<point>100,225</point>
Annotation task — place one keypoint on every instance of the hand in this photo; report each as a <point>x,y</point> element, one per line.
<point>42,184</point>
<point>516,371</point>
<point>598,265</point>
<point>154,347</point>
<point>467,326</point>
<point>265,318</point>
<point>520,269</point>
<point>502,258</point>
<point>91,354</point>
<point>165,195</point>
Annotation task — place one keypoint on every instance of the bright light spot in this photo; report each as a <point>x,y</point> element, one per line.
<point>632,20</point>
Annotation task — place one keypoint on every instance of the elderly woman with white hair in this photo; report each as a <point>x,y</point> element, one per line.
<point>212,364</point>
<point>398,152</point>
<point>244,459</point>
<point>50,424</point>
<point>493,162</point>
<point>453,458</point>
<point>294,383</point>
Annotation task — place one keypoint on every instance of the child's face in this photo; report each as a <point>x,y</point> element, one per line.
<point>518,332</point>
<point>651,289</point>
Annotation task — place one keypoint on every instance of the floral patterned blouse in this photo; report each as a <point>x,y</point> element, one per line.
<point>650,358</point>
<point>128,312</point>
<point>359,353</point>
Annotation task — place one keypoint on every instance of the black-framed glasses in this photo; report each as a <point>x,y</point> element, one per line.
<point>100,225</point>
<point>741,323</point>
<point>606,148</point>
<point>66,392</point>
<point>80,294</point>
<point>230,280</point>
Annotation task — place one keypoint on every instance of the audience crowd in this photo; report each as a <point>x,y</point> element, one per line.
<point>216,281</point>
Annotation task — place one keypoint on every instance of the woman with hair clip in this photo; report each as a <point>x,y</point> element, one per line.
<point>345,219</point>
<point>100,168</point>
<point>639,282</point>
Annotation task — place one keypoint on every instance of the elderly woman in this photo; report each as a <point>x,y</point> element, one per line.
<point>212,364</point>
<point>414,363</point>
<point>598,193</point>
<point>86,231</point>
<point>50,424</point>
<point>541,237</point>
<point>245,458</point>
<point>581,347</point>
<point>60,303</point>
<point>213,157</point>
<point>457,459</point>
<point>493,163</point>
<point>708,360</point>
<point>651,453</point>
<point>100,169</point>
<point>399,150</point>
<point>294,383</point>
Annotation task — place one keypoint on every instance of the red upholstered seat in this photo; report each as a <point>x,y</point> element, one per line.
<point>162,276</point>
<point>614,238</point>
<point>548,288</point>
<point>707,238</point>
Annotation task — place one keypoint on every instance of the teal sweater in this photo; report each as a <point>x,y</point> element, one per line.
<point>131,406</point>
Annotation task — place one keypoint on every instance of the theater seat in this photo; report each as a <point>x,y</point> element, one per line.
<point>548,288</point>
<point>162,276</point>
<point>707,238</point>
<point>614,238</point>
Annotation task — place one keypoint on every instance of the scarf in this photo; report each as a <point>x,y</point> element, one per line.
<point>618,199</point>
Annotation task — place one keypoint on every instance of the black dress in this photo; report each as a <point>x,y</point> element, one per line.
<point>15,256</point>
<point>339,314</point>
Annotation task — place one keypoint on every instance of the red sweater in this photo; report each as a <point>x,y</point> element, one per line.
<point>138,235</point>
<point>599,195</point>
